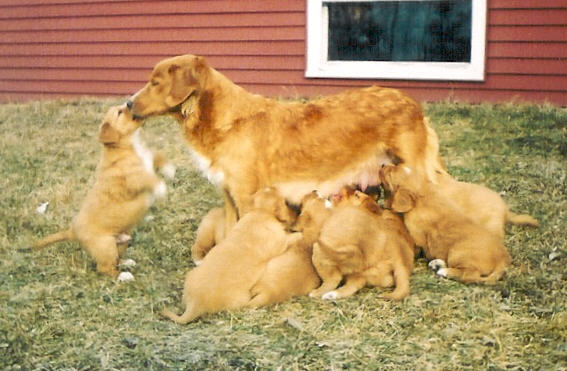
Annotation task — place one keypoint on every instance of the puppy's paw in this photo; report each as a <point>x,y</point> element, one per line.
<point>331,295</point>
<point>127,263</point>
<point>197,262</point>
<point>437,264</point>
<point>443,272</point>
<point>160,190</point>
<point>125,277</point>
<point>168,171</point>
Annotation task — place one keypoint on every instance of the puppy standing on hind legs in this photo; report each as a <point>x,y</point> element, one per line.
<point>126,186</point>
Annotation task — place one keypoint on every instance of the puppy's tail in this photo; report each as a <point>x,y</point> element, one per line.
<point>65,235</point>
<point>402,282</point>
<point>187,316</point>
<point>521,219</point>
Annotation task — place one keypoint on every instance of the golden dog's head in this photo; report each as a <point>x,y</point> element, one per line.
<point>171,83</point>
<point>270,200</point>
<point>118,123</point>
<point>403,186</point>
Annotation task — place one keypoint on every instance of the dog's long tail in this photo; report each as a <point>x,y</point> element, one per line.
<point>521,219</point>
<point>402,282</point>
<point>65,235</point>
<point>189,315</point>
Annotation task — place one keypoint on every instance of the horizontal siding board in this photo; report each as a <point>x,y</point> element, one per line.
<point>527,4</point>
<point>527,50</point>
<point>527,17</point>
<point>159,21</point>
<point>161,48</point>
<point>149,8</point>
<point>148,35</point>
<point>146,63</point>
<point>528,33</point>
<point>519,66</point>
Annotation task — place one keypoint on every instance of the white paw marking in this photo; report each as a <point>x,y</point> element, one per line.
<point>160,190</point>
<point>127,263</point>
<point>437,264</point>
<point>125,277</point>
<point>331,295</point>
<point>168,171</point>
<point>407,170</point>
<point>328,204</point>
<point>442,272</point>
<point>197,262</point>
<point>123,238</point>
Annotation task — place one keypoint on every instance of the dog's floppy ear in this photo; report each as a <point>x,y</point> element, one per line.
<point>107,134</point>
<point>185,79</point>
<point>403,201</point>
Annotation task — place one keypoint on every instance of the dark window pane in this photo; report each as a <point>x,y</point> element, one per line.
<point>424,31</point>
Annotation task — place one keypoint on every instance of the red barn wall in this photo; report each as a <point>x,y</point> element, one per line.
<point>65,48</point>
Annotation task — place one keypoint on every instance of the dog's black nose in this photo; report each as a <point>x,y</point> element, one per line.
<point>129,104</point>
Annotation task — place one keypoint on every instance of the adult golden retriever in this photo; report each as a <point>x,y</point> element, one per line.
<point>244,142</point>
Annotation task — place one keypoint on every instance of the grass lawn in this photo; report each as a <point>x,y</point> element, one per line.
<point>56,312</point>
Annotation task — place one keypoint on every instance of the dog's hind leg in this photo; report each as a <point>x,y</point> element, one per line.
<point>104,251</point>
<point>354,282</point>
<point>402,281</point>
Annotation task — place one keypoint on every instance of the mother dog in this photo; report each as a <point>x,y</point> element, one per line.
<point>244,142</point>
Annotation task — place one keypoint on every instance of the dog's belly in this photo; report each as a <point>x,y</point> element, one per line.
<point>364,175</point>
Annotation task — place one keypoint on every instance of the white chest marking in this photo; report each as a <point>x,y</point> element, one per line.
<point>203,163</point>
<point>145,155</point>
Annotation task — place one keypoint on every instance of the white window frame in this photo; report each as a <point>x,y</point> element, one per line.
<point>318,65</point>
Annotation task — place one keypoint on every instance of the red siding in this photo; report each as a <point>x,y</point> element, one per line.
<point>68,48</point>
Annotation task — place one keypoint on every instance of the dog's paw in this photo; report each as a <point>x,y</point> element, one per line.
<point>442,272</point>
<point>127,263</point>
<point>160,190</point>
<point>123,238</point>
<point>197,262</point>
<point>331,295</point>
<point>125,277</point>
<point>168,171</point>
<point>437,264</point>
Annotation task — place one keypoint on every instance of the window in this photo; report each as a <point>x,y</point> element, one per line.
<point>387,39</point>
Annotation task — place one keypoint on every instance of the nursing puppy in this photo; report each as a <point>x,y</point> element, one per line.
<point>229,272</point>
<point>460,247</point>
<point>244,142</point>
<point>211,232</point>
<point>355,242</point>
<point>126,186</point>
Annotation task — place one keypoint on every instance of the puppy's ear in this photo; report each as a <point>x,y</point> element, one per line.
<point>403,201</point>
<point>107,134</point>
<point>185,79</point>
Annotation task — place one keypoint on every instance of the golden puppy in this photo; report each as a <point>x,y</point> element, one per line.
<point>211,232</point>
<point>471,252</point>
<point>357,243</point>
<point>126,186</point>
<point>229,272</point>
<point>244,142</point>
<point>482,204</point>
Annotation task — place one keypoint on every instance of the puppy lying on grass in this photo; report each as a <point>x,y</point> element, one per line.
<point>126,186</point>
<point>356,242</point>
<point>257,263</point>
<point>460,247</point>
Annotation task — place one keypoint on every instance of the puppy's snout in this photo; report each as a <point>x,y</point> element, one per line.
<point>129,104</point>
